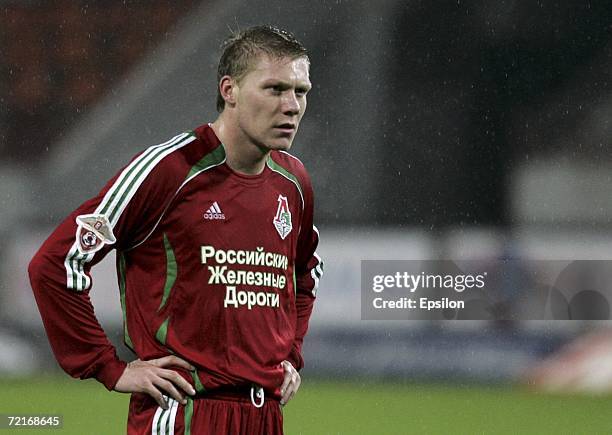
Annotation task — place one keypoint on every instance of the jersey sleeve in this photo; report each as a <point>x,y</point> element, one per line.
<point>120,216</point>
<point>308,272</point>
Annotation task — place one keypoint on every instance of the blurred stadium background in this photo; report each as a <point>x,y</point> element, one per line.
<point>435,129</point>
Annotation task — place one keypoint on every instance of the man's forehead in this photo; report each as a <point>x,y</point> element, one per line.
<point>266,65</point>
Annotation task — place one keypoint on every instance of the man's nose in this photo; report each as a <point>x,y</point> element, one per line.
<point>291,106</point>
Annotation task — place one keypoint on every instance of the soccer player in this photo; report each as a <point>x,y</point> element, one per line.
<point>216,259</point>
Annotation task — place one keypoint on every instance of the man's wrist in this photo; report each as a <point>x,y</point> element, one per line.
<point>110,371</point>
<point>295,359</point>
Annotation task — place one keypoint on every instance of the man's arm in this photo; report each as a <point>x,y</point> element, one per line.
<point>307,282</point>
<point>122,214</point>
<point>308,271</point>
<point>78,341</point>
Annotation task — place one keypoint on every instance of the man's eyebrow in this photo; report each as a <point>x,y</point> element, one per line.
<point>277,82</point>
<point>286,85</point>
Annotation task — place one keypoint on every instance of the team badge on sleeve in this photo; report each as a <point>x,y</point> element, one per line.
<point>93,232</point>
<point>282,220</point>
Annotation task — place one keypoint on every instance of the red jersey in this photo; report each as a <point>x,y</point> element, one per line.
<point>214,266</point>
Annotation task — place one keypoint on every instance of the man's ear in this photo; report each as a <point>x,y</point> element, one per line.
<point>227,89</point>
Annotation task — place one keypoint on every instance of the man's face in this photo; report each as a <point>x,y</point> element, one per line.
<point>271,100</point>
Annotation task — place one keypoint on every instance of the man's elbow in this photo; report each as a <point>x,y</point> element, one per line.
<point>35,268</point>
<point>38,270</point>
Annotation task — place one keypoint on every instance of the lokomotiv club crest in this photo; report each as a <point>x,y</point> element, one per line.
<point>93,232</point>
<point>282,220</point>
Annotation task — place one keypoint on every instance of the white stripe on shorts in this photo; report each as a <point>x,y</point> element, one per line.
<point>164,418</point>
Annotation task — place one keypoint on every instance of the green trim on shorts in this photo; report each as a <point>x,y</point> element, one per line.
<point>188,415</point>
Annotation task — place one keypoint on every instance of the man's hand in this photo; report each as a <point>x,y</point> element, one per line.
<point>153,378</point>
<point>291,383</point>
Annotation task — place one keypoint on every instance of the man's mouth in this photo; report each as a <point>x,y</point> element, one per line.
<point>287,127</point>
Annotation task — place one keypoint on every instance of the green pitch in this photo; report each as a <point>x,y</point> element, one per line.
<point>324,407</point>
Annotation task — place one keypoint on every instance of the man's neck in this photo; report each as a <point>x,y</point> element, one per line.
<point>242,155</point>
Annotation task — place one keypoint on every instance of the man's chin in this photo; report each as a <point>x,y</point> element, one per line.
<point>275,144</point>
<point>280,145</point>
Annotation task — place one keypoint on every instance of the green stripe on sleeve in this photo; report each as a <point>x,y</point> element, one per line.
<point>123,179</point>
<point>138,178</point>
<point>134,166</point>
<point>171,271</point>
<point>72,268</point>
<point>122,288</point>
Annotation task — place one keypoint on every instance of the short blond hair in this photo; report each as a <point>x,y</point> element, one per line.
<point>241,48</point>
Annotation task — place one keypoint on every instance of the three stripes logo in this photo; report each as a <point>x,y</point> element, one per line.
<point>214,212</point>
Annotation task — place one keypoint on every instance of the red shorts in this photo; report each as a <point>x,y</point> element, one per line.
<point>221,412</point>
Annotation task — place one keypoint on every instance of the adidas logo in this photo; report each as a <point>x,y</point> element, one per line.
<point>214,212</point>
